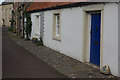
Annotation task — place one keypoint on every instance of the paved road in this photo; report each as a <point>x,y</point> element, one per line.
<point>19,63</point>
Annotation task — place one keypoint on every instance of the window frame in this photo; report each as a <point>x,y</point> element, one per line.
<point>37,25</point>
<point>55,37</point>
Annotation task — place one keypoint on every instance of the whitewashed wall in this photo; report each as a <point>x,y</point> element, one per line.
<point>119,41</point>
<point>72,34</point>
<point>110,37</point>
<point>35,28</point>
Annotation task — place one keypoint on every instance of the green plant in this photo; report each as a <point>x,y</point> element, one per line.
<point>11,29</point>
<point>12,22</point>
<point>40,42</point>
<point>3,22</point>
<point>28,25</point>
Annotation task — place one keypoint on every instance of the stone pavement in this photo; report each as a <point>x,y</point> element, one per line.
<point>64,64</point>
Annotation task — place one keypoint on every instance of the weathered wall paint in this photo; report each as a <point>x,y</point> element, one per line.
<point>110,37</point>
<point>72,34</point>
<point>7,14</point>
<point>42,24</point>
<point>119,40</point>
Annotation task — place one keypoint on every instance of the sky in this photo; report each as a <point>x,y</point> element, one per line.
<point>1,1</point>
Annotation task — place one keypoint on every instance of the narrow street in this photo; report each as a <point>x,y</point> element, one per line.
<point>19,63</point>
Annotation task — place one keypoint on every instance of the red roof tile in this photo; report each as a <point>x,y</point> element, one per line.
<point>43,5</point>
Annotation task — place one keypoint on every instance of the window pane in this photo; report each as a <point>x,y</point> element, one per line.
<point>57,25</point>
<point>57,17</point>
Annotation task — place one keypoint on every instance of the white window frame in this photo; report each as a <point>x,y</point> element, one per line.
<point>37,25</point>
<point>57,26</point>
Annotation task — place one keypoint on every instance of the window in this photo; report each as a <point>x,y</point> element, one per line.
<point>56,26</point>
<point>11,10</point>
<point>37,28</point>
<point>57,23</point>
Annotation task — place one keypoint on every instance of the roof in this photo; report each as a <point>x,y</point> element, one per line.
<point>6,3</point>
<point>43,6</point>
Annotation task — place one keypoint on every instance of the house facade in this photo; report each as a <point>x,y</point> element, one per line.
<point>38,30</point>
<point>0,15</point>
<point>7,13</point>
<point>38,17</point>
<point>88,32</point>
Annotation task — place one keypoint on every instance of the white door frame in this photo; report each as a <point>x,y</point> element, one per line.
<point>86,31</point>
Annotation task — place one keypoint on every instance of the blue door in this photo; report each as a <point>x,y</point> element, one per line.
<point>95,39</point>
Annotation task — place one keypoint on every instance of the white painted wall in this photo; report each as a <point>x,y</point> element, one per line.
<point>119,41</point>
<point>71,32</point>
<point>110,37</point>
<point>72,35</point>
<point>35,28</point>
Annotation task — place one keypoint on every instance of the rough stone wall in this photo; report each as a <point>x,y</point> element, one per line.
<point>7,14</point>
<point>0,15</point>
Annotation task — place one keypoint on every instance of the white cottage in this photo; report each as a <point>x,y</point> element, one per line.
<point>88,32</point>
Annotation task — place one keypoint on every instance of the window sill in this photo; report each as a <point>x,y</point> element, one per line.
<point>57,39</point>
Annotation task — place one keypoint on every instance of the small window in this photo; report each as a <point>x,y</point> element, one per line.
<point>57,23</point>
<point>37,28</point>
<point>56,26</point>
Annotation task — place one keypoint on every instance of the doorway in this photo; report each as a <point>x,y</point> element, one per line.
<point>95,38</point>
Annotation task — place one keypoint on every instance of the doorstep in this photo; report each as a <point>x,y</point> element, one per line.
<point>92,65</point>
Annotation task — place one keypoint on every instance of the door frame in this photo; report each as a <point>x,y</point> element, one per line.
<point>86,31</point>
